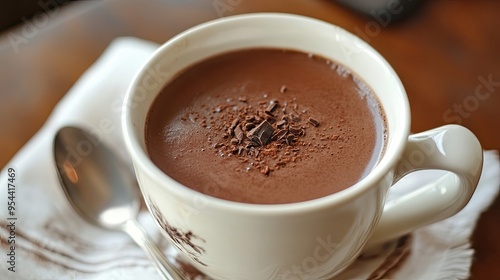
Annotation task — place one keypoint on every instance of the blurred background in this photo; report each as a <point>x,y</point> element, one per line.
<point>16,12</point>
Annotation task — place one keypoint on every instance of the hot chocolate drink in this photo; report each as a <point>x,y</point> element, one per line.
<point>266,126</point>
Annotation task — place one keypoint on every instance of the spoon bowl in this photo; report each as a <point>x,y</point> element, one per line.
<point>102,189</point>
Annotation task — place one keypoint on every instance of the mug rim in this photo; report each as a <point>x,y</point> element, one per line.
<point>141,160</point>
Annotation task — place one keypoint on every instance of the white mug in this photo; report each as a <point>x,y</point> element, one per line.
<point>315,239</point>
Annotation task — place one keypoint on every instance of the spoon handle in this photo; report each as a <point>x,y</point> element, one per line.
<point>164,267</point>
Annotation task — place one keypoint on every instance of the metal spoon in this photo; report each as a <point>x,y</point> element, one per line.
<point>102,190</point>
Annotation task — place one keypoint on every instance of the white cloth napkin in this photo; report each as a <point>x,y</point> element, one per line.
<point>53,242</point>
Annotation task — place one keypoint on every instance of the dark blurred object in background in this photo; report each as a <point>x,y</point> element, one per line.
<point>19,11</point>
<point>386,11</point>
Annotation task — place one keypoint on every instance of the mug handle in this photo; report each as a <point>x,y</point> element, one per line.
<point>452,148</point>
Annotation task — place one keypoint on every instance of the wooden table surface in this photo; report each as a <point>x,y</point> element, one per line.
<point>447,55</point>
